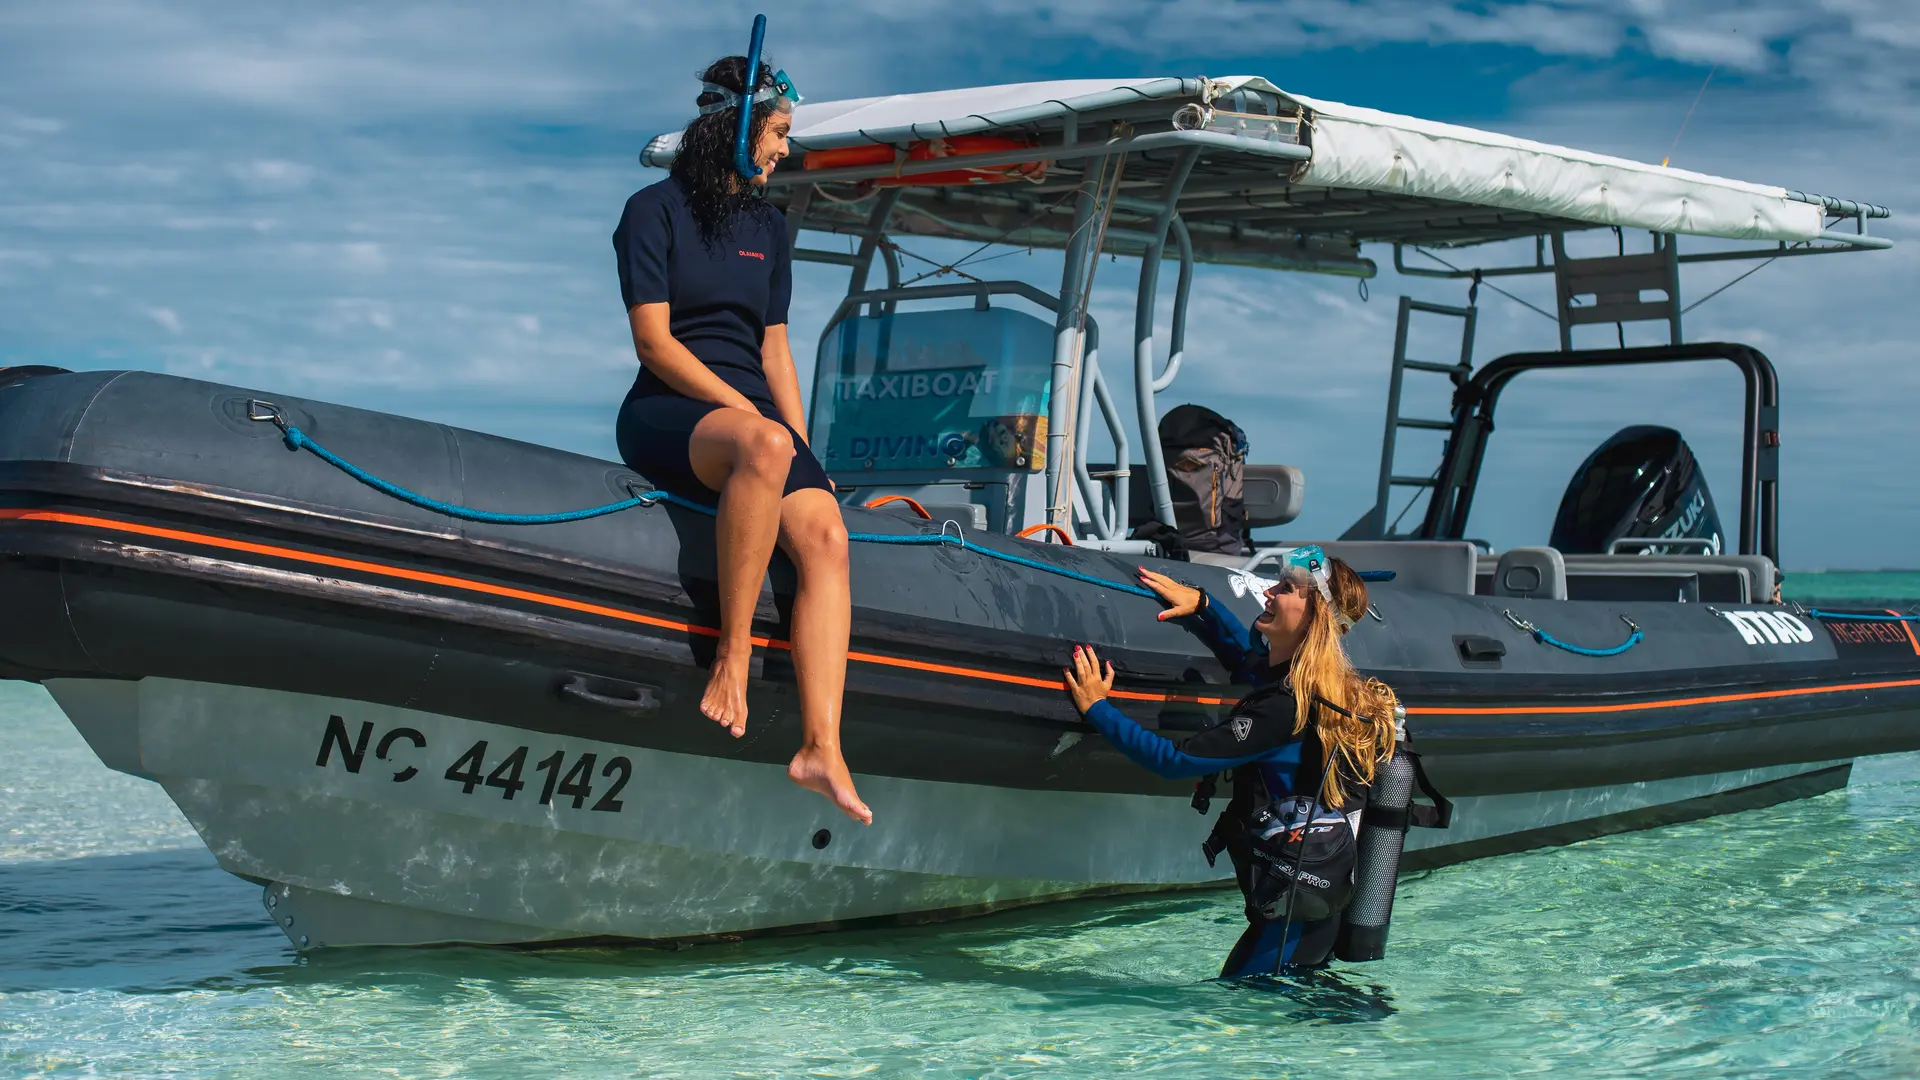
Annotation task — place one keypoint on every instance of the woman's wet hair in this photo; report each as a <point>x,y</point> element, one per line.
<point>704,164</point>
<point>1361,736</point>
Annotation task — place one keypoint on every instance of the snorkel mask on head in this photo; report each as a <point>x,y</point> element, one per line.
<point>1308,565</point>
<point>782,91</point>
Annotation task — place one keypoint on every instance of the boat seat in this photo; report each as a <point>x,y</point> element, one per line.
<point>1724,579</point>
<point>1214,558</point>
<point>1620,584</point>
<point>1762,576</point>
<point>1433,565</point>
<point>1271,494</point>
<point>1534,573</point>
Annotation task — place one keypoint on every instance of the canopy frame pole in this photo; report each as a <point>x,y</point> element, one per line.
<point>1177,343</point>
<point>1144,384</point>
<point>870,241</point>
<point>1106,508</point>
<point>1067,342</point>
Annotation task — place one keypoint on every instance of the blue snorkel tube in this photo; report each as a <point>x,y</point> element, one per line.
<point>743,153</point>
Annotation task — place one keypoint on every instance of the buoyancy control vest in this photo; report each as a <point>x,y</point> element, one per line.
<point>1294,855</point>
<point>1357,859</point>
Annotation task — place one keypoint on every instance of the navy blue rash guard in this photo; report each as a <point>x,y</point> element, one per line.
<point>723,296</point>
<point>1266,740</point>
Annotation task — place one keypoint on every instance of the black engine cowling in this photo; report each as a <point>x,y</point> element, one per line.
<point>1642,482</point>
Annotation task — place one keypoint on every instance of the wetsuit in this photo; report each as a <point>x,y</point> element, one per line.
<point>722,297</point>
<point>1257,745</point>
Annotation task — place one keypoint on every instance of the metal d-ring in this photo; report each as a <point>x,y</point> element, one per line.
<point>958,540</point>
<point>1520,623</point>
<point>265,411</point>
<point>1375,612</point>
<point>632,485</point>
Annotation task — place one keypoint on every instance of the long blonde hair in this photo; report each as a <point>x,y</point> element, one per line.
<point>1363,735</point>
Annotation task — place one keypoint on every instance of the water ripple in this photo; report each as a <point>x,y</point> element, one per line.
<point>1782,942</point>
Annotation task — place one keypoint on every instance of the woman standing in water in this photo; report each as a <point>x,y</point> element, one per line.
<point>706,274</point>
<point>1305,743</point>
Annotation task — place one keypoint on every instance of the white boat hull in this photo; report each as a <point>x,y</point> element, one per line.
<point>347,813</point>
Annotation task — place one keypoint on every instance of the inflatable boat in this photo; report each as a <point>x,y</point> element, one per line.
<point>409,727</point>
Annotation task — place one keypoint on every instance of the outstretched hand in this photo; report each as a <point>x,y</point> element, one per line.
<point>1181,600</point>
<point>1088,680</point>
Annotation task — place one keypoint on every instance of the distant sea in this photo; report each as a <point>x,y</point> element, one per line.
<point>1856,588</point>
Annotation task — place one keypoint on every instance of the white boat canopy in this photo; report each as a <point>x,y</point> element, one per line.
<point>1271,177</point>
<point>1238,171</point>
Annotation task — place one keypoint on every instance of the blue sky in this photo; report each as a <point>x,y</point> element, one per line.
<point>406,206</point>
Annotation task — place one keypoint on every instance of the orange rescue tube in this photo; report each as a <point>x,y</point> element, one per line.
<point>957,146</point>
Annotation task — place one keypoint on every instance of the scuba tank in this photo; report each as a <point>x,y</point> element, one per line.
<point>1383,835</point>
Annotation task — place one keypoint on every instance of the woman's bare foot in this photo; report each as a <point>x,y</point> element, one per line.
<point>822,769</point>
<point>725,702</point>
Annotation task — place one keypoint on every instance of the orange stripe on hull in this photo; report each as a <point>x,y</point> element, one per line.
<point>1670,703</point>
<point>425,577</point>
<point>550,600</point>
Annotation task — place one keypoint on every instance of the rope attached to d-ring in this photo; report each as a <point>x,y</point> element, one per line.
<point>1545,638</point>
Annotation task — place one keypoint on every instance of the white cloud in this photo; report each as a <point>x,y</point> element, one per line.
<point>407,207</point>
<point>272,175</point>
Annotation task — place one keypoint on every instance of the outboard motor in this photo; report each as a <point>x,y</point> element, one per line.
<point>12,375</point>
<point>1642,482</point>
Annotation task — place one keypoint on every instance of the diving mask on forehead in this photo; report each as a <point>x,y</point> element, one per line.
<point>1308,566</point>
<point>781,90</point>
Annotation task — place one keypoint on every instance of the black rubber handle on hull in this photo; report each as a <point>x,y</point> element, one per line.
<point>610,693</point>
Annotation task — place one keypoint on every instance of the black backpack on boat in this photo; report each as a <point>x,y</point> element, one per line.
<point>1206,456</point>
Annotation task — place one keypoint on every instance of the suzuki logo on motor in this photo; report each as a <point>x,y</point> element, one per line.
<point>1688,518</point>
<point>1769,627</point>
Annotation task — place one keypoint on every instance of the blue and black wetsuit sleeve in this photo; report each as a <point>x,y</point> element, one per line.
<point>1266,736</point>
<point>1238,649</point>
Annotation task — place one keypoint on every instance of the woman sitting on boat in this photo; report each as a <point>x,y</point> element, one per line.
<point>1303,747</point>
<point>706,274</point>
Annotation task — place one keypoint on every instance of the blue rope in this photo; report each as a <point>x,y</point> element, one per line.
<point>1545,638</point>
<point>298,440</point>
<point>1003,556</point>
<point>1818,614</point>
<point>1580,650</point>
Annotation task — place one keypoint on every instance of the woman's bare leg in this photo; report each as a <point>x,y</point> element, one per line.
<point>743,456</point>
<point>814,536</point>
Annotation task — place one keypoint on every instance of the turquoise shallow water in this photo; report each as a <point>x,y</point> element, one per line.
<point>1896,588</point>
<point>1781,942</point>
